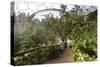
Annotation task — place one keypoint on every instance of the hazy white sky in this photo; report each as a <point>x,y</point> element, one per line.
<point>29,7</point>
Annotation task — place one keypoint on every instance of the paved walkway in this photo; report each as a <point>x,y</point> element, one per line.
<point>65,57</point>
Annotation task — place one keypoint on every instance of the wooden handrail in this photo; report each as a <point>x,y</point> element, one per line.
<point>32,49</point>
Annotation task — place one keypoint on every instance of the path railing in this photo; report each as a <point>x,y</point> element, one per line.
<point>36,55</point>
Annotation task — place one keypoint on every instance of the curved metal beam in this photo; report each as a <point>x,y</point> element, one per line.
<point>52,9</point>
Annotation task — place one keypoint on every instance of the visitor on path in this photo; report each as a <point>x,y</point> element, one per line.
<point>60,41</point>
<point>69,43</point>
<point>63,45</point>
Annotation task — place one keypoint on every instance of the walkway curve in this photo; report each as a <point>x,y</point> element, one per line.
<point>65,57</point>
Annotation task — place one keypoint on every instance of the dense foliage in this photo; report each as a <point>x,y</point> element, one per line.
<point>82,31</point>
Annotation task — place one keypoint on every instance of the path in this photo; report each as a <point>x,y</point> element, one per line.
<point>66,56</point>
